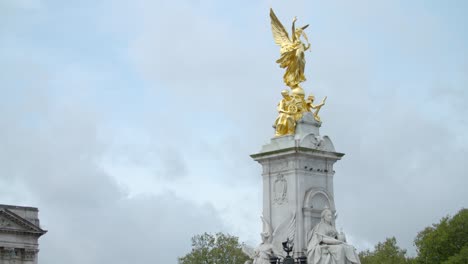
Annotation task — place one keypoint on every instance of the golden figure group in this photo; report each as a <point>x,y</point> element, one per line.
<point>291,108</point>
<point>294,105</point>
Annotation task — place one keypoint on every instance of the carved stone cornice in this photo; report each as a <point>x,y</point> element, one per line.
<point>23,226</point>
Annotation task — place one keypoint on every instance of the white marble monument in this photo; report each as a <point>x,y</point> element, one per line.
<point>297,181</point>
<point>19,234</point>
<point>298,198</point>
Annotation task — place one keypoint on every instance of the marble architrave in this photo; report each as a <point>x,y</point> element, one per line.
<point>19,234</point>
<point>298,178</point>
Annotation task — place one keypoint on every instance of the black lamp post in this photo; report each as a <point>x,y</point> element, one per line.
<point>274,260</point>
<point>288,248</point>
<point>302,260</point>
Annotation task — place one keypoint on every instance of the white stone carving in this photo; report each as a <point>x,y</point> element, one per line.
<point>271,241</point>
<point>326,246</point>
<point>280,190</point>
<point>262,253</point>
<point>285,230</point>
<point>294,167</point>
<point>4,222</point>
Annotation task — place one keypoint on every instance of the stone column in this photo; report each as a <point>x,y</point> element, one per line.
<point>8,256</point>
<point>298,179</point>
<point>30,256</point>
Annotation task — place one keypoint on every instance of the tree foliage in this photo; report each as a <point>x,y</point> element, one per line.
<point>444,242</point>
<point>460,258</point>
<point>214,249</point>
<point>387,252</point>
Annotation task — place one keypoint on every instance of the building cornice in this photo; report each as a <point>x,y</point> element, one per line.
<point>29,228</point>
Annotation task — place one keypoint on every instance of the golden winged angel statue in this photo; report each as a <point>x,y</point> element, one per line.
<point>294,105</point>
<point>292,51</point>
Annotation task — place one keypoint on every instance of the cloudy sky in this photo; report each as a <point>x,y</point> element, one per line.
<point>129,124</point>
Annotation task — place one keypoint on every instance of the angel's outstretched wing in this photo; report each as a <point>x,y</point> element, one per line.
<point>267,229</point>
<point>285,230</point>
<point>279,33</point>
<point>248,250</point>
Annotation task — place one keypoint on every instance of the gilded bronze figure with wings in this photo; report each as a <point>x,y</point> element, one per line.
<point>292,51</point>
<point>292,107</point>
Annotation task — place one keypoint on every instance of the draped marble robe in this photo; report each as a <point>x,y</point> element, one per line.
<point>319,252</point>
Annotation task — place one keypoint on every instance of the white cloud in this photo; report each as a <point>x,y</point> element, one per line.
<point>50,157</point>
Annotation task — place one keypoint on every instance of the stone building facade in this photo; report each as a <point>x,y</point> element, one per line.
<point>19,234</point>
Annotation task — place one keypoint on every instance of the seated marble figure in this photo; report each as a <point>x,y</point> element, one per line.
<point>326,246</point>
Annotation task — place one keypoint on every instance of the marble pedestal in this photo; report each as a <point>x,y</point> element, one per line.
<point>298,179</point>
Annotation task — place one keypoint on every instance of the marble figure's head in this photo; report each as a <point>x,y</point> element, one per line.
<point>327,215</point>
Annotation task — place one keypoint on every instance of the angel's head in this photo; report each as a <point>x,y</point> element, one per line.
<point>265,236</point>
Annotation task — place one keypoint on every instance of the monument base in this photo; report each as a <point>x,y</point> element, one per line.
<point>297,182</point>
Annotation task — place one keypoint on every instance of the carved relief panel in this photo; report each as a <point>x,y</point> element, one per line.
<point>280,190</point>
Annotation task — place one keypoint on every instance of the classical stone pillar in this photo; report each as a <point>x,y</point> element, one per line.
<point>8,255</point>
<point>18,256</point>
<point>298,179</point>
<point>30,256</point>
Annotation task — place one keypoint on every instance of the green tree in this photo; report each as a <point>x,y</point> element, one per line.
<point>214,249</point>
<point>387,252</point>
<point>460,258</point>
<point>444,241</point>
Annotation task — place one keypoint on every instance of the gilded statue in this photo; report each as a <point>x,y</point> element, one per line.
<point>292,51</point>
<point>310,106</point>
<point>285,123</point>
<point>292,59</point>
